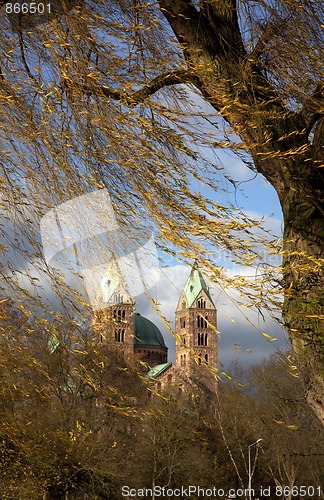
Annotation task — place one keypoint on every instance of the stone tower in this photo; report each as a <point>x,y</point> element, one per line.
<point>196,335</point>
<point>113,321</point>
<point>117,325</point>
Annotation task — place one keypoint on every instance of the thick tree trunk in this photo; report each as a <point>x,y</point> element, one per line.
<point>304,295</point>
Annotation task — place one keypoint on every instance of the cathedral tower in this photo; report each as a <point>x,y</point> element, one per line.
<point>196,336</point>
<point>113,322</point>
<point>116,324</point>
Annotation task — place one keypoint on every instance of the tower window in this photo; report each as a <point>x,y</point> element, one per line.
<point>184,360</point>
<point>182,323</point>
<point>206,358</point>
<point>120,335</point>
<point>201,322</point>
<point>201,303</point>
<point>202,338</point>
<point>119,298</point>
<point>119,314</point>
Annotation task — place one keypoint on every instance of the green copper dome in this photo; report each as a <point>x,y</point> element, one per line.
<point>146,333</point>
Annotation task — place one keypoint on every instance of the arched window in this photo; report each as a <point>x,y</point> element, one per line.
<point>181,360</point>
<point>184,360</point>
<point>201,303</point>
<point>206,358</point>
<point>182,322</point>
<point>199,338</point>
<point>206,338</point>
<point>201,322</point>
<point>118,298</point>
<point>120,335</point>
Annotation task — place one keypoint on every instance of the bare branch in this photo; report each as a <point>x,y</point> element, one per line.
<point>132,99</point>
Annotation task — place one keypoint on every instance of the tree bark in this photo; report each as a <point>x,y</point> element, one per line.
<point>304,293</point>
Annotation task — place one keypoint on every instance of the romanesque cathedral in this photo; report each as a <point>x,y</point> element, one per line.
<point>119,326</point>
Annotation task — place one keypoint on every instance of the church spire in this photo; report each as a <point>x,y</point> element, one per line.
<point>195,284</point>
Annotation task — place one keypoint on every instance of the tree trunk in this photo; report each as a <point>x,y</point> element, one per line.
<point>304,296</point>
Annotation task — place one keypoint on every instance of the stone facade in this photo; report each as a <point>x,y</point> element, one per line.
<point>196,337</point>
<point>195,328</point>
<point>114,325</point>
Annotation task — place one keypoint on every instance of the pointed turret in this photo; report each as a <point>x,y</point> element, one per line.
<point>196,284</point>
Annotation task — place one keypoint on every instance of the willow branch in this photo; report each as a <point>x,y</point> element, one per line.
<point>132,99</point>
<point>270,30</point>
<point>313,107</point>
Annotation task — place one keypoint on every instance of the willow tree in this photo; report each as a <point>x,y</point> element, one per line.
<point>95,94</point>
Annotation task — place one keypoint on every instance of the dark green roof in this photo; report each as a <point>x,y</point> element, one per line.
<point>146,333</point>
<point>194,285</point>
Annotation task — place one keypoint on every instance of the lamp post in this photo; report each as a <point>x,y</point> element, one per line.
<point>250,473</point>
